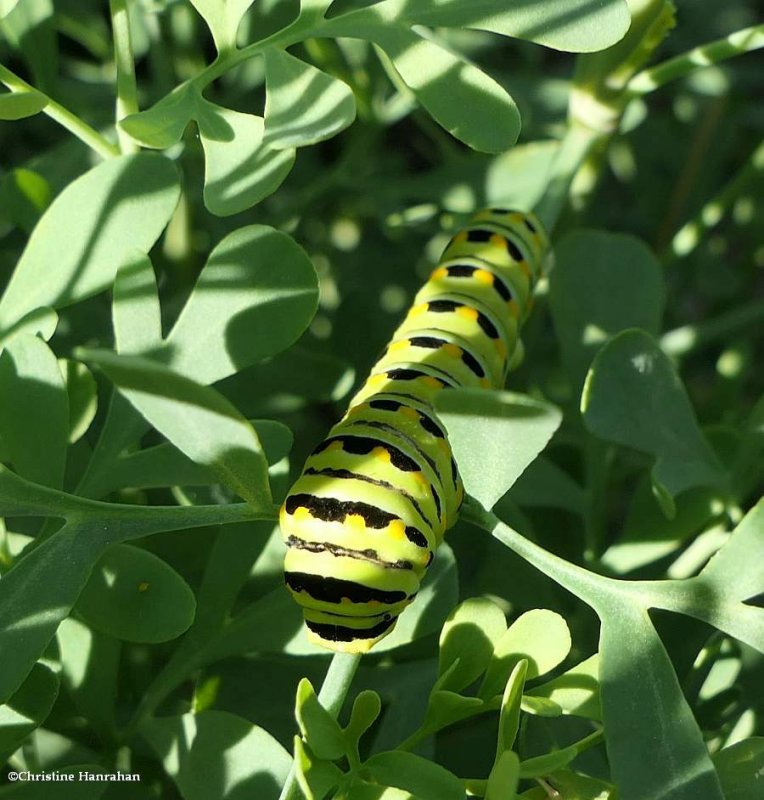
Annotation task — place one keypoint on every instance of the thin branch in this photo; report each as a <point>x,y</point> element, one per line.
<point>67,119</point>
<point>127,91</point>
<point>742,41</point>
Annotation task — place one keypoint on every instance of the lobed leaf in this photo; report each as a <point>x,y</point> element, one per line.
<point>503,429</point>
<point>318,727</point>
<point>602,283</point>
<point>201,423</point>
<point>35,432</point>
<point>633,396</point>
<point>303,105</point>
<point>255,296</point>
<point>218,756</point>
<point>240,167</point>
<point>103,216</point>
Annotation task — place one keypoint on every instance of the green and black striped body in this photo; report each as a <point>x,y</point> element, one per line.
<point>376,497</point>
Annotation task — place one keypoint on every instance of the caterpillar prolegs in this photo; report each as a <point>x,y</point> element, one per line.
<point>375,498</point>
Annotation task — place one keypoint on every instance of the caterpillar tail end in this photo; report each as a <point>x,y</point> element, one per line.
<point>353,647</point>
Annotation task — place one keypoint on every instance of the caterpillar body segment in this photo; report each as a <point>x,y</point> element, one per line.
<point>377,496</point>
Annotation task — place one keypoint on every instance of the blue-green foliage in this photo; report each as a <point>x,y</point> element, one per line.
<point>192,289</point>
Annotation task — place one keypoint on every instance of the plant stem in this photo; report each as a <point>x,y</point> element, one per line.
<point>578,142</point>
<point>687,237</point>
<point>683,340</point>
<point>332,695</point>
<point>742,41</point>
<point>127,92</point>
<point>62,116</point>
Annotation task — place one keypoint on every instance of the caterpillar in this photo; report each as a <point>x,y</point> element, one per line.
<point>375,498</point>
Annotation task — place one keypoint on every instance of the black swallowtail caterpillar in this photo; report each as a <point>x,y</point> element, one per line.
<point>375,498</point>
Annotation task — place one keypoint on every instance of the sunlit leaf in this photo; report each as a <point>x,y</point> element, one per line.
<point>103,216</point>
<point>302,104</point>
<point>17,105</point>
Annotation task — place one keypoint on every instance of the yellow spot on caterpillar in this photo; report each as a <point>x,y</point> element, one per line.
<point>485,383</point>
<point>302,514</point>
<point>460,237</point>
<point>516,217</point>
<point>406,411</point>
<point>439,274</point>
<point>483,276</point>
<point>376,380</point>
<point>497,241</point>
<point>433,383</point>
<point>373,603</point>
<point>396,346</point>
<point>397,529</point>
<point>381,454</point>
<point>468,313</point>
<point>443,444</point>
<point>420,479</point>
<point>452,350</point>
<point>416,310</point>
<point>355,521</point>
<point>514,309</point>
<point>529,305</point>
<point>524,268</point>
<point>143,586</point>
<point>500,348</point>
<point>334,447</point>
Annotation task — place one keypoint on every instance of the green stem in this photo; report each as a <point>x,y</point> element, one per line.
<point>578,142</point>
<point>127,91</point>
<point>332,695</point>
<point>691,233</point>
<point>742,41</point>
<point>62,116</point>
<point>683,340</point>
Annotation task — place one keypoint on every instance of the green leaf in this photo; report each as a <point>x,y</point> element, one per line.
<point>253,765</point>
<point>24,195</point>
<point>18,105</point>
<point>163,124</point>
<point>241,169</point>
<point>89,670</point>
<point>255,296</point>
<point>647,719</point>
<point>302,104</point>
<point>82,393</point>
<point>27,709</point>
<point>424,779</point>
<point>736,570</point>
<point>315,777</point>
<point>574,786</point>
<point>470,634</point>
<point>447,708</point>
<point>540,637</point>
<point>6,6</point>
<point>602,283</point>
<point>509,716</point>
<point>740,768</point>
<point>135,596</point>
<point>504,777</point>
<point>503,429</point>
<point>576,691</point>
<point>633,396</point>
<point>165,465</point>
<point>35,432</point>
<point>648,536</point>
<point>545,484</point>
<point>577,26</point>
<point>319,729</point>
<point>136,313</point>
<point>102,217</point>
<point>199,421</point>
<point>223,18</point>
<point>461,98</point>
<point>366,708</point>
